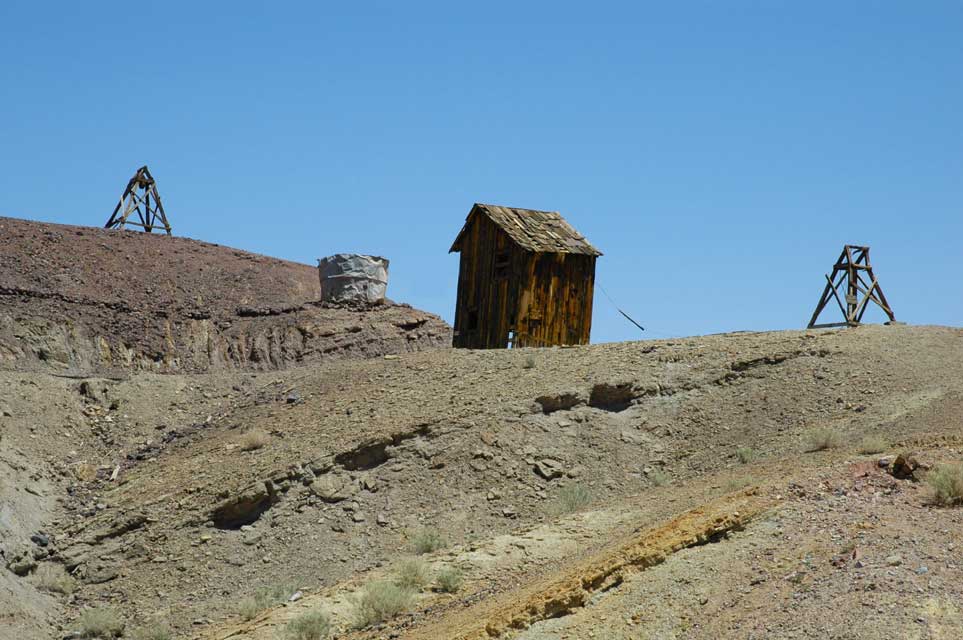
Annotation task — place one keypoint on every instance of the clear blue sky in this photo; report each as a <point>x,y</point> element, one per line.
<point>718,153</point>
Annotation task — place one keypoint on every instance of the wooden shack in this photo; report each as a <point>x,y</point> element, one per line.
<point>526,280</point>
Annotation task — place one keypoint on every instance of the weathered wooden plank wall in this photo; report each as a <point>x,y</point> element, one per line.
<point>556,299</point>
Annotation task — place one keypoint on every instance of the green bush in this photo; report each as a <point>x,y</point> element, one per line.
<point>380,601</point>
<point>745,454</point>
<point>946,483</point>
<point>100,623</point>
<point>449,580</point>
<point>313,625</point>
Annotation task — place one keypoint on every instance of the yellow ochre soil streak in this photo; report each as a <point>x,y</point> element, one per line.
<point>558,595</point>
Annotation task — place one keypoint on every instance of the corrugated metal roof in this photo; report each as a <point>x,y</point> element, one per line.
<point>537,231</point>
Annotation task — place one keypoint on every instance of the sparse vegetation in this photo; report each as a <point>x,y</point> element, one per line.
<point>254,439</point>
<point>571,498</point>
<point>745,454</point>
<point>946,483</point>
<point>264,598</point>
<point>155,632</point>
<point>313,625</point>
<point>734,484</point>
<point>413,574</point>
<point>100,623</point>
<point>873,444</point>
<point>426,541</point>
<point>380,601</point>
<point>54,578</point>
<point>449,580</point>
<point>659,478</point>
<point>529,362</point>
<point>821,439</point>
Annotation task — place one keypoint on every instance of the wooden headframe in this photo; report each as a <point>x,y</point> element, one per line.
<point>852,265</point>
<point>140,197</point>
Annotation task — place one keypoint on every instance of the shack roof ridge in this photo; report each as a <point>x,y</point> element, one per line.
<point>532,229</point>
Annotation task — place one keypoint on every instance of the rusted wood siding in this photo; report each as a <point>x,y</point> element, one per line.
<point>544,298</point>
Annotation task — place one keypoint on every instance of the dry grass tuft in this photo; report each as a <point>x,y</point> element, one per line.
<point>571,498</point>
<point>100,623</point>
<point>254,439</point>
<point>427,541</point>
<point>313,625</point>
<point>380,601</point>
<point>264,598</point>
<point>821,439</point>
<point>873,444</point>
<point>412,574</point>
<point>54,578</point>
<point>746,454</point>
<point>659,478</point>
<point>946,483</point>
<point>156,632</point>
<point>449,580</point>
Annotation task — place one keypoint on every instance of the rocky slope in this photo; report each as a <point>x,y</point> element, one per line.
<point>87,300</point>
<point>701,512</point>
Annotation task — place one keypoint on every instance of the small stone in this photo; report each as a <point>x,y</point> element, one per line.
<point>508,512</point>
<point>40,539</point>
<point>894,560</point>
<point>382,520</point>
<point>297,595</point>
<point>549,469</point>
<point>358,517</point>
<point>922,570</point>
<point>293,398</point>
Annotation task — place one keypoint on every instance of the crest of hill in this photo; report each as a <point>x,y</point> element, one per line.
<point>146,271</point>
<point>84,300</point>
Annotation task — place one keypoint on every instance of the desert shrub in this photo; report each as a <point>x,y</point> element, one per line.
<point>54,578</point>
<point>154,632</point>
<point>529,362</point>
<point>659,478</point>
<point>571,498</point>
<point>313,625</point>
<point>264,598</point>
<point>380,601</point>
<point>426,541</point>
<point>745,454</point>
<point>734,484</point>
<point>254,439</point>
<point>100,623</point>
<point>821,439</point>
<point>412,573</point>
<point>946,483</point>
<point>873,444</point>
<point>449,580</point>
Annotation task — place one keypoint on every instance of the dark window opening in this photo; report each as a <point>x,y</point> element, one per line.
<point>502,263</point>
<point>472,320</point>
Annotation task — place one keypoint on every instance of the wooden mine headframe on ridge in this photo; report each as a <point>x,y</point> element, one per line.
<point>140,197</point>
<point>852,265</point>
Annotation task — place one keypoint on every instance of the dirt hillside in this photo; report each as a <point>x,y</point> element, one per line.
<point>730,486</point>
<point>86,300</point>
